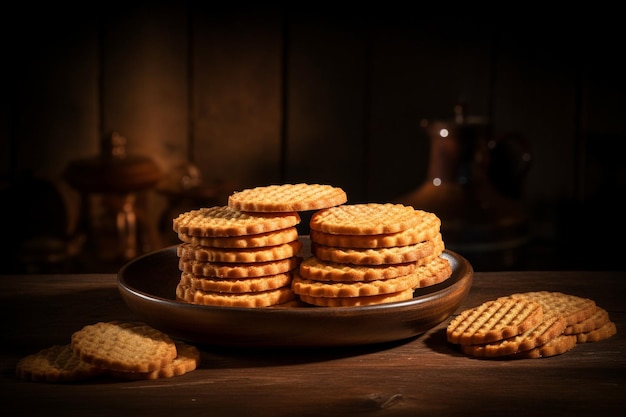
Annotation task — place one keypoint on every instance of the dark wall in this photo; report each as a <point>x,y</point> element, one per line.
<point>253,95</point>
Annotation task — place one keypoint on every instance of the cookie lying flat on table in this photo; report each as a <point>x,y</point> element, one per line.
<point>186,360</point>
<point>122,346</point>
<point>58,363</point>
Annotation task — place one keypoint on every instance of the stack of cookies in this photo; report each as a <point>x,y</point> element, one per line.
<point>366,254</point>
<point>244,254</point>
<point>529,325</point>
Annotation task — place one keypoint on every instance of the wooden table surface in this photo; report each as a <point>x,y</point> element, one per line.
<point>421,376</point>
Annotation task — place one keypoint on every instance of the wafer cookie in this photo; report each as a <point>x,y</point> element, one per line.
<point>378,256</point>
<point>238,270</point>
<point>557,346</point>
<point>236,286</point>
<point>354,289</point>
<point>603,332</point>
<point>224,221</point>
<point>549,328</point>
<point>427,228</point>
<point>186,360</point>
<point>58,363</point>
<point>252,299</point>
<point>245,241</point>
<point>494,320</point>
<point>599,318</point>
<point>365,219</point>
<point>237,255</point>
<point>319,270</point>
<point>357,301</point>
<point>287,197</point>
<point>123,346</point>
<point>571,307</point>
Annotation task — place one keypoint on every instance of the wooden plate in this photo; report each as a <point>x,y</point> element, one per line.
<point>147,285</point>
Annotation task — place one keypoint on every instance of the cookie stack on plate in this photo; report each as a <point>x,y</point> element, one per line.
<point>244,254</point>
<point>371,253</point>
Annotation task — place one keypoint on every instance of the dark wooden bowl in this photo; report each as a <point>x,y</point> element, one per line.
<point>147,285</point>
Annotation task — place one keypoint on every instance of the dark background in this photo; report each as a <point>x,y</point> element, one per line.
<point>252,95</point>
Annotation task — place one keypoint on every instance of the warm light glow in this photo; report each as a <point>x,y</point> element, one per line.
<point>443,133</point>
<point>436,182</point>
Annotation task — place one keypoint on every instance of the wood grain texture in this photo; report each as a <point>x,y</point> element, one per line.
<point>425,375</point>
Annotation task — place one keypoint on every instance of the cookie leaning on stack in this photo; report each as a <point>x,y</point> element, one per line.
<point>244,254</point>
<point>366,254</point>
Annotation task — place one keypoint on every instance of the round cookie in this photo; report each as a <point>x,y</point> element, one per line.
<point>224,221</point>
<point>287,197</point>
<point>365,219</point>
<point>494,320</point>
<point>122,346</point>
<point>58,363</point>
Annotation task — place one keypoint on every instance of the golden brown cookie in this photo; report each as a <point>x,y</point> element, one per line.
<point>549,328</point>
<point>123,346</point>
<point>238,270</point>
<point>599,318</point>
<point>378,256</point>
<point>287,197</point>
<point>353,289</point>
<point>557,346</point>
<point>252,299</point>
<point>426,229</point>
<point>277,237</point>
<point>494,320</point>
<point>357,301</point>
<point>236,286</point>
<point>56,363</point>
<point>366,219</point>
<point>224,221</point>
<point>603,332</point>
<point>236,255</point>
<point>319,270</point>
<point>186,361</point>
<point>572,308</point>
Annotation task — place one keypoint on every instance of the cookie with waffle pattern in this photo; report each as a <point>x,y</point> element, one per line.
<point>287,197</point>
<point>224,221</point>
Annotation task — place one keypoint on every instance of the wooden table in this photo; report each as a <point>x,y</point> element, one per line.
<point>422,376</point>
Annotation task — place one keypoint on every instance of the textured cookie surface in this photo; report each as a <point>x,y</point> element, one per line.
<point>366,219</point>
<point>357,301</point>
<point>242,285</point>
<point>494,320</point>
<point>354,289</point>
<point>572,308</point>
<point>427,228</point>
<point>261,254</point>
<point>187,360</point>
<point>549,328</point>
<point>378,256</point>
<point>224,221</point>
<point>237,270</point>
<point>245,241</point>
<point>319,270</point>
<point>598,319</point>
<point>557,346</point>
<point>603,332</point>
<point>287,197</point>
<point>258,299</point>
<point>56,363</point>
<point>123,346</point>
